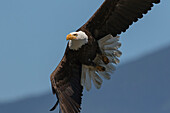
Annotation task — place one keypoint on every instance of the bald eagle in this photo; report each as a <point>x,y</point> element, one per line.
<point>92,51</point>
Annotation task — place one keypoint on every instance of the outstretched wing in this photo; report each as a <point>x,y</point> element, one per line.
<point>115,16</point>
<point>66,85</point>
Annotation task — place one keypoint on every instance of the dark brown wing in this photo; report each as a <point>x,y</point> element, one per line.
<point>66,85</point>
<point>115,16</point>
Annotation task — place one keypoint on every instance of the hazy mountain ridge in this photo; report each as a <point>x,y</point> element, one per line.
<point>140,86</point>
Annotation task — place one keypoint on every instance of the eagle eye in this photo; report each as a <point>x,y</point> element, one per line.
<point>75,34</point>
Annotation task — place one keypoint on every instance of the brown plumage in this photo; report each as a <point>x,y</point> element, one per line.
<point>113,17</point>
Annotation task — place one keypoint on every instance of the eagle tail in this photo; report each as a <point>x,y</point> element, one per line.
<point>109,46</point>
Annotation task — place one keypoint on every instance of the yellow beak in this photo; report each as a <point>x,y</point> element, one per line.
<point>70,37</point>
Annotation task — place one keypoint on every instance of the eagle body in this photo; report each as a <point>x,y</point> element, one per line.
<point>93,51</point>
<point>87,52</point>
<point>71,74</point>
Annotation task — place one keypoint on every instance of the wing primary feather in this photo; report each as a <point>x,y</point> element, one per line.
<point>115,16</point>
<point>53,108</point>
<point>66,85</point>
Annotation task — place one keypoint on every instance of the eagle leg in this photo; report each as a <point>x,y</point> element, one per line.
<point>97,66</point>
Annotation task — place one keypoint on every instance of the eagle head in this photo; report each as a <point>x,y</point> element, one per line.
<point>77,40</point>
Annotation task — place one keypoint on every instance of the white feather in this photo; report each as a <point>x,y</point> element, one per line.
<point>109,53</point>
<point>88,80</point>
<point>112,46</point>
<point>83,75</point>
<point>110,67</point>
<point>117,53</point>
<point>96,80</point>
<point>111,40</point>
<point>105,75</point>
<point>104,39</point>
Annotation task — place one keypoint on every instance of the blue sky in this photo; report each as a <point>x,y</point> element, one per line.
<point>32,40</point>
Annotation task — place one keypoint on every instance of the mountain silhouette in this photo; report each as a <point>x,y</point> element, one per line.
<point>140,86</point>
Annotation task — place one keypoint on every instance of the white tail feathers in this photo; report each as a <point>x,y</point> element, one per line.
<point>109,47</point>
<point>96,79</point>
<point>88,80</point>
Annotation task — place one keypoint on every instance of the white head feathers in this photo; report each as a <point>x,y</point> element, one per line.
<point>77,40</point>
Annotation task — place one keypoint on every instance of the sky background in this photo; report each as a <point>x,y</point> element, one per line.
<point>33,40</point>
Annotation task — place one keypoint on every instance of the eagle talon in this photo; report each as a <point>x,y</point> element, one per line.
<point>105,59</point>
<point>100,68</point>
